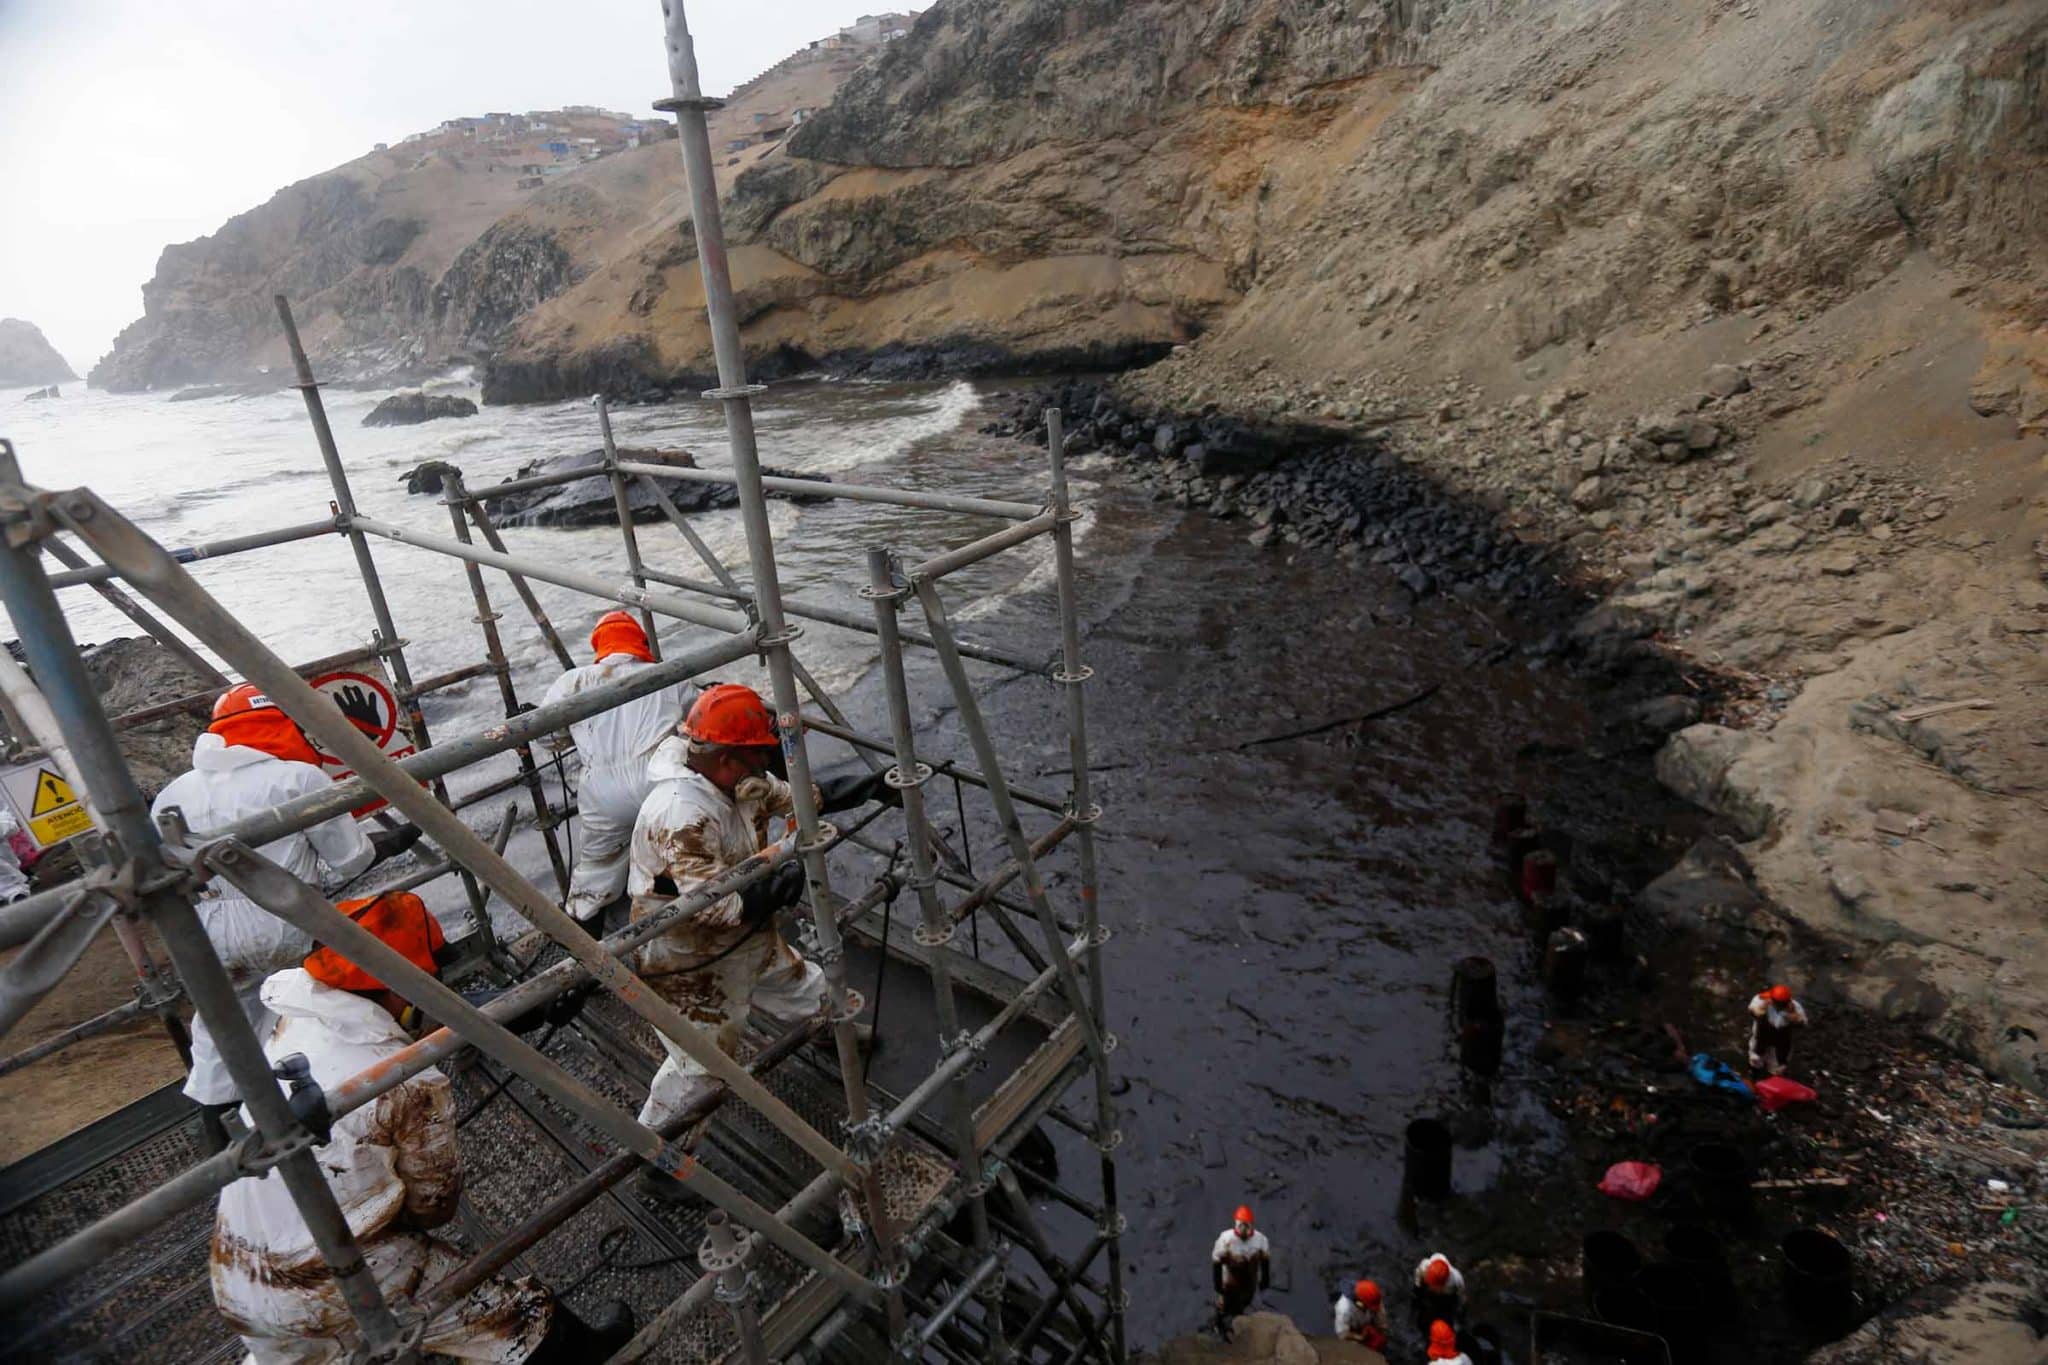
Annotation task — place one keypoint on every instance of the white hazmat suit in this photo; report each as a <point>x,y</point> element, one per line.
<point>229,782</point>
<point>689,831</point>
<point>615,746</point>
<point>394,1169</point>
<point>13,881</point>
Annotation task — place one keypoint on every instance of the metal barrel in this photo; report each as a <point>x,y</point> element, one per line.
<point>1428,1149</point>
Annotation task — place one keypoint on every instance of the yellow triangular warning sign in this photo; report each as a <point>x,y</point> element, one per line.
<point>52,793</point>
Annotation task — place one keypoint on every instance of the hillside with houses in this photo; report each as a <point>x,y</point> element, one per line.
<point>428,251</point>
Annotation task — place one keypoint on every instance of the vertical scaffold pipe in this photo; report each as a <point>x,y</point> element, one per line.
<point>457,497</point>
<point>366,564</point>
<point>54,659</point>
<point>935,927</point>
<point>622,502</point>
<point>1071,675</point>
<point>735,396</point>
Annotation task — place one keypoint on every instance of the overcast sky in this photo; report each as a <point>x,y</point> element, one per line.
<point>126,125</point>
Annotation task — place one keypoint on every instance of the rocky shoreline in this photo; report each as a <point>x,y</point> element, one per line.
<point>1924,1164</point>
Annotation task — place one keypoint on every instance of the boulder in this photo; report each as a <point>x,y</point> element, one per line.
<point>588,501</point>
<point>1989,1323</point>
<point>1725,381</point>
<point>1698,762</point>
<point>414,406</point>
<point>1662,715</point>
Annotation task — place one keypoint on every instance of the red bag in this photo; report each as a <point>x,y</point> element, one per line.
<point>1632,1180</point>
<point>1776,1092</point>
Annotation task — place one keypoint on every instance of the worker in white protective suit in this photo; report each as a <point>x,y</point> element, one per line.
<point>13,881</point>
<point>615,746</point>
<point>396,1172</point>
<point>716,802</point>
<point>253,757</point>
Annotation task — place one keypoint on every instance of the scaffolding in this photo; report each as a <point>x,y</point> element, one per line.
<point>901,1216</point>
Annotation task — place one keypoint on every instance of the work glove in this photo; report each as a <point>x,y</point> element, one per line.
<point>782,887</point>
<point>855,789</point>
<point>389,843</point>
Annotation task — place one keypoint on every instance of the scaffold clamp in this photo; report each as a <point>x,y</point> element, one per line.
<point>1114,1141</point>
<point>932,935</point>
<point>920,773</point>
<point>868,1139</point>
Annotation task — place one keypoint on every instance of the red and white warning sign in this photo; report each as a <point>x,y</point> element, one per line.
<point>367,699</point>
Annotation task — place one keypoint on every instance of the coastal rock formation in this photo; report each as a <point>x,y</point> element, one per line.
<point>589,501</point>
<point>413,407</point>
<point>425,253</point>
<point>26,357</point>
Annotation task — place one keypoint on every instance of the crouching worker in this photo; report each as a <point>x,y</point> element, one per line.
<point>394,1169</point>
<point>716,802</point>
<point>251,758</point>
<point>614,745</point>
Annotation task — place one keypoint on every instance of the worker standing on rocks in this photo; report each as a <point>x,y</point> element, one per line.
<point>615,746</point>
<point>395,1169</point>
<point>716,801</point>
<point>1362,1316</point>
<point>1443,1344</point>
<point>1240,1266</point>
<point>251,758</point>
<point>1439,1290</point>
<point>1773,1015</point>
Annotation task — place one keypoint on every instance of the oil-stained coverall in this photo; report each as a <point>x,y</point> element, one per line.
<point>688,832</point>
<point>1239,1268</point>
<point>227,783</point>
<point>615,746</point>
<point>395,1171</point>
<point>1356,1322</point>
<point>1771,1026</point>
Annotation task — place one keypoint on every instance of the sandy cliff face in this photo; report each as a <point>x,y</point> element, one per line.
<point>1016,183</point>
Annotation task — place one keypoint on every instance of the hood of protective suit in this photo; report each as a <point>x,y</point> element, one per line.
<point>620,637</point>
<point>294,994</point>
<point>266,730</point>
<point>671,760</point>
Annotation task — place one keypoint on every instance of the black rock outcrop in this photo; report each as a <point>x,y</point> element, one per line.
<point>588,501</point>
<point>410,409</point>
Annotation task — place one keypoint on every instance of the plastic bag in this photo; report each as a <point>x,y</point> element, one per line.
<point>1776,1092</point>
<point>1632,1180</point>
<point>1715,1074</point>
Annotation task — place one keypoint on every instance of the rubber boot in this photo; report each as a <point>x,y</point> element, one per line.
<point>571,1340</point>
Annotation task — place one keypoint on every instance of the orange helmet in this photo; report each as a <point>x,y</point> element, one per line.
<point>399,918</point>
<point>1367,1293</point>
<point>1443,1342</point>
<point>1780,995</point>
<point>1243,1214</point>
<point>620,632</point>
<point>245,718</point>
<point>1437,1273</point>
<point>729,713</point>
<point>240,699</point>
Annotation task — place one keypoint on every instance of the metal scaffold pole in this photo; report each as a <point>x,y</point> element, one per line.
<point>735,395</point>
<point>366,564</point>
<point>1072,673</point>
<point>622,500</point>
<point>935,927</point>
<point>501,668</point>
